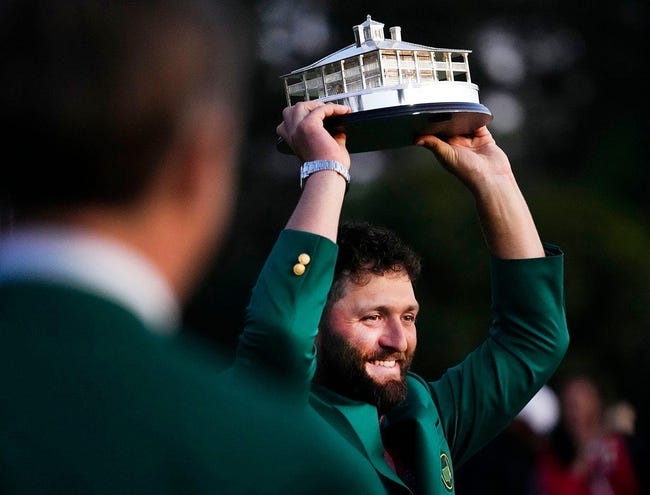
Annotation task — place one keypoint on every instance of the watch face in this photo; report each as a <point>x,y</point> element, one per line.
<point>306,169</point>
<point>309,168</point>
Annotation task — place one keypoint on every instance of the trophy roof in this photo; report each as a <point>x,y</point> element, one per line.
<point>370,37</point>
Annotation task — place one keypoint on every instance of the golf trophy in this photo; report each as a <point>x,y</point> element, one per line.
<point>396,90</point>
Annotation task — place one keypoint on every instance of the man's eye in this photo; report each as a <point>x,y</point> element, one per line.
<point>409,318</point>
<point>371,317</point>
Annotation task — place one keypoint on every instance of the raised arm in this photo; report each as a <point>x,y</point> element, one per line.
<point>484,168</point>
<point>528,335</point>
<point>289,296</point>
<point>319,207</point>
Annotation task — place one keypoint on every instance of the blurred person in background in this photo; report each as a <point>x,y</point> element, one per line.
<point>506,465</point>
<point>122,122</point>
<point>583,456</point>
<point>622,418</point>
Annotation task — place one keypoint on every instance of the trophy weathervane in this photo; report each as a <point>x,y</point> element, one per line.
<point>397,90</point>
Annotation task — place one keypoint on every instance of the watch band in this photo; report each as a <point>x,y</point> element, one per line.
<point>309,168</point>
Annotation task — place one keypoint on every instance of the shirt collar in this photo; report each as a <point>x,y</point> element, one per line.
<point>91,262</point>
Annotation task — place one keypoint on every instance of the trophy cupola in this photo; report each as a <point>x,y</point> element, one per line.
<point>368,31</point>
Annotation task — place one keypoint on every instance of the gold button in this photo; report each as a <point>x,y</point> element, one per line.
<point>298,269</point>
<point>304,259</point>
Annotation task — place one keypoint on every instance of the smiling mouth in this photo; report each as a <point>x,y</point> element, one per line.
<point>382,370</point>
<point>384,364</point>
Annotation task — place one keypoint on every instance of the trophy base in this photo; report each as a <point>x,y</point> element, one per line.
<point>395,127</point>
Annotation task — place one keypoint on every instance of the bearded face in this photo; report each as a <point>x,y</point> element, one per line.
<point>342,368</point>
<point>367,341</point>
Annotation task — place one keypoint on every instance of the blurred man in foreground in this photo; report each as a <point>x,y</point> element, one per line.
<point>121,126</point>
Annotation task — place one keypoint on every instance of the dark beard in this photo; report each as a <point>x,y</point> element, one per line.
<point>341,368</point>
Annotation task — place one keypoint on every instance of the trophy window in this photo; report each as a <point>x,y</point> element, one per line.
<point>371,70</point>
<point>389,65</point>
<point>424,62</point>
<point>304,87</point>
<point>403,67</point>
<point>352,75</point>
<point>333,77</point>
<point>451,66</point>
<point>407,71</point>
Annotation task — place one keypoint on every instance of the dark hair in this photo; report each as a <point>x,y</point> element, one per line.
<point>92,92</point>
<point>366,250</point>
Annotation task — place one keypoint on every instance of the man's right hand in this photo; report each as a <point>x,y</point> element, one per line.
<point>303,130</point>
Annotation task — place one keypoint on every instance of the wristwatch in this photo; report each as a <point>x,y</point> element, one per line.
<point>309,168</point>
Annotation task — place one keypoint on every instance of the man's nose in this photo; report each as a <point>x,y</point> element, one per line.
<point>394,336</point>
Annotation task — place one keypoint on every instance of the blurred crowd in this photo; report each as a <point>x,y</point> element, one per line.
<point>568,440</point>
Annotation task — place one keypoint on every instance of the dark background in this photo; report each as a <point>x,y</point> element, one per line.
<point>566,84</point>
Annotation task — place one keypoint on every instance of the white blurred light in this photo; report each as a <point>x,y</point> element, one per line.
<point>289,28</point>
<point>507,111</point>
<point>555,51</point>
<point>501,56</point>
<point>542,412</point>
<point>311,36</point>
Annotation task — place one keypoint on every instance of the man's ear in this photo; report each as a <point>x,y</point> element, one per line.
<point>205,156</point>
<point>197,151</point>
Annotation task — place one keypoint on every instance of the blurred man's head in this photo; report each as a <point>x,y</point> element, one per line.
<point>123,107</point>
<point>367,335</point>
<point>582,407</point>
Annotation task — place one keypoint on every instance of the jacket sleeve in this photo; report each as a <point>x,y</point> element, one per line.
<point>284,311</point>
<point>527,340</point>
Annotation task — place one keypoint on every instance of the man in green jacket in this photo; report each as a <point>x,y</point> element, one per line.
<point>354,361</point>
<point>121,125</point>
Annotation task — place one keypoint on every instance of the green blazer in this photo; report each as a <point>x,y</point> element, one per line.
<point>441,422</point>
<point>93,402</point>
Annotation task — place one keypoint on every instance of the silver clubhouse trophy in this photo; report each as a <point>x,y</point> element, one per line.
<point>397,90</point>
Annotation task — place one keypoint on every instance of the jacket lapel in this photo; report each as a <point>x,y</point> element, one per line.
<point>361,427</point>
